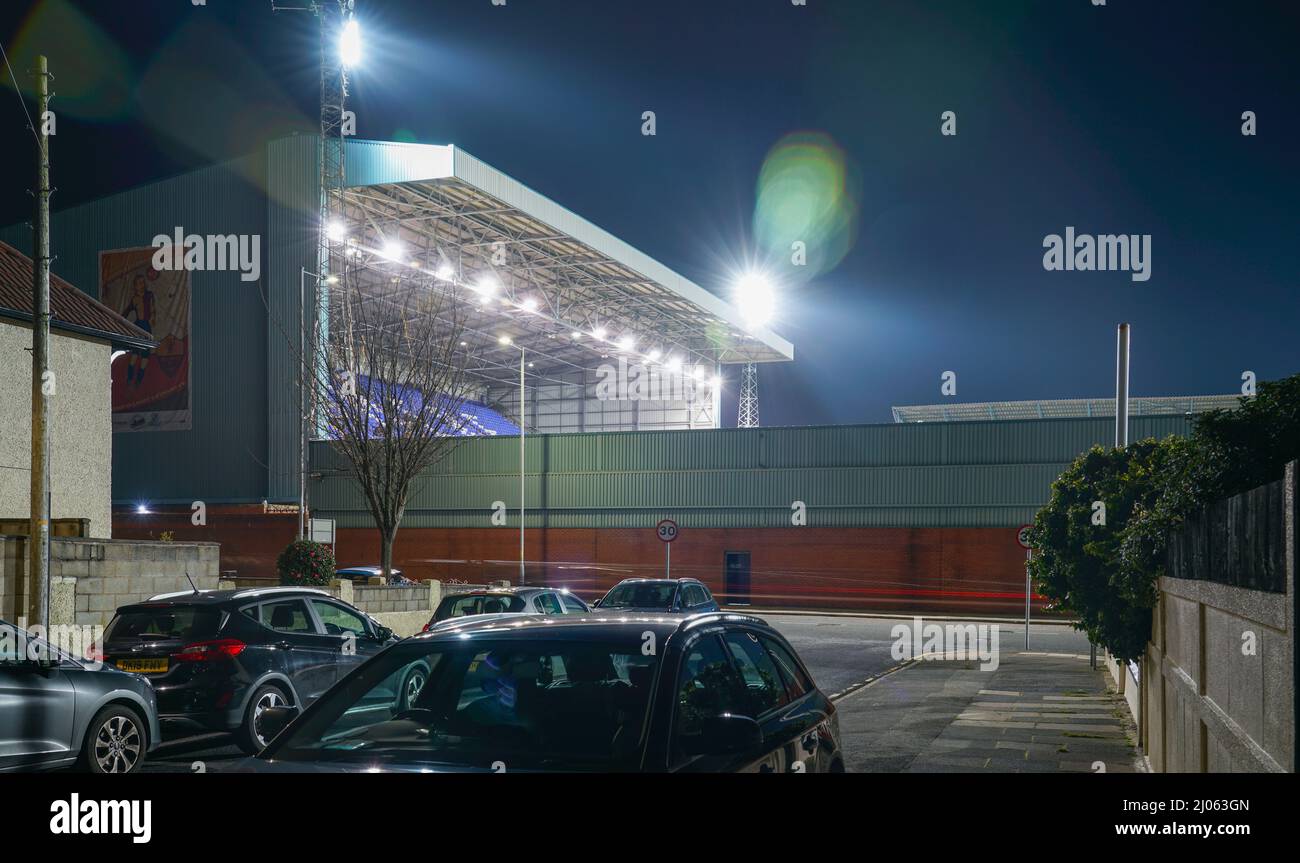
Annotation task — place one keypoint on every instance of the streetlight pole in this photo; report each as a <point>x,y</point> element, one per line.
<point>523,577</point>
<point>505,341</point>
<point>306,381</point>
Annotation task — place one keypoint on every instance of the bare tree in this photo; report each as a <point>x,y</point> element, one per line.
<point>390,384</point>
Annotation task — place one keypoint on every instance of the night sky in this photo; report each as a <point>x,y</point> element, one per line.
<point>1123,118</point>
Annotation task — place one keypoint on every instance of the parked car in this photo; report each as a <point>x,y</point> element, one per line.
<point>507,600</point>
<point>364,573</point>
<point>218,659</point>
<point>717,692</point>
<point>58,711</point>
<point>664,595</point>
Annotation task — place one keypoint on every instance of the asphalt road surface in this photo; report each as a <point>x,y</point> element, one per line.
<point>842,652</point>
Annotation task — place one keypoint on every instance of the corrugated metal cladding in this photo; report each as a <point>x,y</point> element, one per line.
<point>222,456</point>
<point>966,474</point>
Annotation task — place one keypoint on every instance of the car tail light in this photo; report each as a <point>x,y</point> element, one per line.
<point>427,627</point>
<point>95,652</point>
<point>207,651</point>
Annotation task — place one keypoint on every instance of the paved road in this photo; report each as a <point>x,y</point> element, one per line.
<point>841,652</point>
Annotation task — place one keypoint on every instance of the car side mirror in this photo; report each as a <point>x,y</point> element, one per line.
<point>596,604</point>
<point>274,719</point>
<point>726,734</point>
<point>383,633</point>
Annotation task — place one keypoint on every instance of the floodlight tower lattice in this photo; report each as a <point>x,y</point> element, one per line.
<point>748,413</point>
<point>332,16</point>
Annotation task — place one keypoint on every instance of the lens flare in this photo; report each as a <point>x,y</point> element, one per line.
<point>807,194</point>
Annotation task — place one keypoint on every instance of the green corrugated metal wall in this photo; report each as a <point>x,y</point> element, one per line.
<point>222,456</point>
<point>969,474</point>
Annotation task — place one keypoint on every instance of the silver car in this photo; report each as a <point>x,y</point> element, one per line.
<point>507,600</point>
<point>57,711</point>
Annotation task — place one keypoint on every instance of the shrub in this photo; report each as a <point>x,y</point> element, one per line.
<point>1107,574</point>
<point>304,562</point>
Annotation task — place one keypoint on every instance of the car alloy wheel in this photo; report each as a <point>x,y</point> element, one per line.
<point>414,684</point>
<point>117,745</point>
<point>268,699</point>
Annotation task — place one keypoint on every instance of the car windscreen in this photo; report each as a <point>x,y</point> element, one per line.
<point>164,623</point>
<point>645,594</point>
<point>478,603</point>
<point>544,704</point>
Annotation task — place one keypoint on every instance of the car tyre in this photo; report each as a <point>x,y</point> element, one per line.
<point>247,737</point>
<point>116,741</point>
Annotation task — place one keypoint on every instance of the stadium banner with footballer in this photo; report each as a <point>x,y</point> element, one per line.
<point>151,392</point>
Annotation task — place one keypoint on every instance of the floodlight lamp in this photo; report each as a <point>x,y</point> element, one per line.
<point>755,298</point>
<point>350,43</point>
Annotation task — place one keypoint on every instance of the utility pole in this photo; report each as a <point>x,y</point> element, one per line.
<point>38,534</point>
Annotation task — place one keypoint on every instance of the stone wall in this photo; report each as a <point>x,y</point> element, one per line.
<point>103,575</point>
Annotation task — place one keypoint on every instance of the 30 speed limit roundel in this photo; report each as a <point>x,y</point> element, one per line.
<point>666,530</point>
<point>1023,536</point>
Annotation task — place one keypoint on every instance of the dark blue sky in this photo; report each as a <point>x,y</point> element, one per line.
<point>1116,119</point>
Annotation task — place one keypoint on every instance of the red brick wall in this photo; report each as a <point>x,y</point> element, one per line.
<point>928,570</point>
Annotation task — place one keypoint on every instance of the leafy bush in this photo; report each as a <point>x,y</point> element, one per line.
<point>1106,574</point>
<point>304,562</point>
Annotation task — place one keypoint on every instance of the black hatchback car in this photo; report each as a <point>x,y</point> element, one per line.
<point>663,595</point>
<point>706,693</point>
<point>218,659</point>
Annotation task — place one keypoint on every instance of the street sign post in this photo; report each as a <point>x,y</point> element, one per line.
<point>667,531</point>
<point>1022,537</point>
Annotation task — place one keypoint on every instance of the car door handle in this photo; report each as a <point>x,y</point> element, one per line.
<point>284,645</point>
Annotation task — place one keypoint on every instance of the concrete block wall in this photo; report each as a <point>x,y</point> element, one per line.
<point>12,551</point>
<point>1219,677</point>
<point>105,575</point>
<point>404,610</point>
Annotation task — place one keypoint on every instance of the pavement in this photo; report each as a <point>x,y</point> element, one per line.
<point>1038,712</point>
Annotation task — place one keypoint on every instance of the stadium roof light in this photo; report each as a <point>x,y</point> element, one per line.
<point>599,333</point>
<point>529,304</point>
<point>486,285</point>
<point>755,298</point>
<point>626,342</point>
<point>336,231</point>
<point>445,272</point>
<point>350,44</point>
<point>504,340</point>
<point>393,249</point>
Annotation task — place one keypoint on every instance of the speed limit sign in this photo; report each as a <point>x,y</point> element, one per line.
<point>1022,536</point>
<point>666,530</point>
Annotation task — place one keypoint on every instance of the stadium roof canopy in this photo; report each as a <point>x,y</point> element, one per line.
<point>1062,408</point>
<point>558,281</point>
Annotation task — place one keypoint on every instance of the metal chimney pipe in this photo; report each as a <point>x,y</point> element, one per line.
<point>1121,386</point>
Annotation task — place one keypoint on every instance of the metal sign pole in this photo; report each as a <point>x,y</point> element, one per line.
<point>1029,555</point>
<point>668,560</point>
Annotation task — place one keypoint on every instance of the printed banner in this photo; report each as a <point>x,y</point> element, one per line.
<point>150,392</point>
